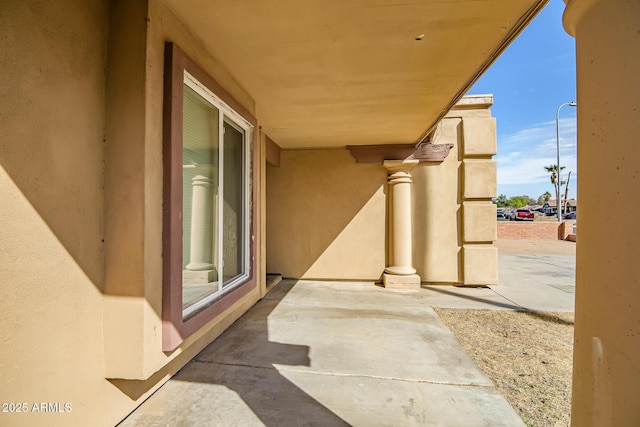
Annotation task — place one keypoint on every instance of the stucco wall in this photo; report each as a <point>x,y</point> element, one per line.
<point>437,244</point>
<point>136,372</point>
<point>454,222</point>
<point>81,216</point>
<point>327,214</point>
<point>51,177</point>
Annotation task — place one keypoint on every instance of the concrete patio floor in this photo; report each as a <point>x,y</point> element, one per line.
<point>317,353</point>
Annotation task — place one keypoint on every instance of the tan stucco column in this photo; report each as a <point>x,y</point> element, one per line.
<point>606,368</point>
<point>400,272</point>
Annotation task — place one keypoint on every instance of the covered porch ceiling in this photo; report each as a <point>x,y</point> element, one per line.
<point>331,73</point>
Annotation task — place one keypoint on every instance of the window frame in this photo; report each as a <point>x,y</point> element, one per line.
<point>176,328</point>
<point>227,116</point>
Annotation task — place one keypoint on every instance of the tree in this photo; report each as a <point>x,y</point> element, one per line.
<point>501,201</point>
<point>553,170</point>
<point>518,201</point>
<point>544,198</point>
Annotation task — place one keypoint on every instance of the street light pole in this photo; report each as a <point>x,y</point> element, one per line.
<point>558,209</point>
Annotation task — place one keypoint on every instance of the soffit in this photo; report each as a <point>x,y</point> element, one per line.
<point>331,73</point>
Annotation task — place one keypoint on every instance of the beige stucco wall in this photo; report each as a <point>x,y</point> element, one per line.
<point>81,217</point>
<point>51,176</point>
<point>133,221</point>
<point>147,362</point>
<point>606,379</point>
<point>436,200</point>
<point>327,214</point>
<point>453,217</point>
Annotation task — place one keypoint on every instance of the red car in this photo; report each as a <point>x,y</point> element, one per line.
<point>522,215</point>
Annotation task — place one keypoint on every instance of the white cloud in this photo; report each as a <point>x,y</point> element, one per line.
<point>523,155</point>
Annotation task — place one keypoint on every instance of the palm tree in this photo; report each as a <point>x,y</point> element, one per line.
<point>544,198</point>
<point>553,169</point>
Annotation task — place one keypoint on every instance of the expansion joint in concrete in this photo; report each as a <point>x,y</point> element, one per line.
<point>348,375</point>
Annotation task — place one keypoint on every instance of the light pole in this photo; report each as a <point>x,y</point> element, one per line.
<point>558,208</point>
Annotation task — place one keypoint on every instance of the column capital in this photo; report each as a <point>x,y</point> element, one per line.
<point>394,166</point>
<point>573,12</point>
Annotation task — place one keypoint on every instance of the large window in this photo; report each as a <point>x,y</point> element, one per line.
<point>208,204</point>
<point>214,197</point>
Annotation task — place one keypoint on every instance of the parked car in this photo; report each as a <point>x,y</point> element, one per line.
<point>522,215</point>
<point>570,215</point>
<point>501,213</point>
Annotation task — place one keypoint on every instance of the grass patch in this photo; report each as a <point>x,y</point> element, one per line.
<point>528,356</point>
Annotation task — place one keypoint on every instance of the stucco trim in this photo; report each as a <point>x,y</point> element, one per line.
<point>272,151</point>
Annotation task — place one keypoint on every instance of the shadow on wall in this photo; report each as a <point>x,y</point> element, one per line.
<point>242,363</point>
<point>52,134</point>
<point>325,216</point>
<point>437,213</point>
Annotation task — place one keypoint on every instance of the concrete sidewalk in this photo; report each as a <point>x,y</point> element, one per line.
<point>533,275</point>
<point>315,353</point>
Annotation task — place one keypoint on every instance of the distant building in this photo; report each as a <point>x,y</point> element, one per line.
<point>550,207</point>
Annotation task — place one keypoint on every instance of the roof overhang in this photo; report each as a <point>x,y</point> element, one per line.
<point>332,73</point>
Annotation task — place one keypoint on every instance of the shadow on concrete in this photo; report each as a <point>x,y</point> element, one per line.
<point>548,317</point>
<point>529,312</point>
<point>243,360</point>
<point>481,300</point>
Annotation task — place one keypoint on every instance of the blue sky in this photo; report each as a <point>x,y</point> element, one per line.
<point>529,82</point>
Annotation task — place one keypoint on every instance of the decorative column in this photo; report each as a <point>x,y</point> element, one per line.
<point>200,268</point>
<point>400,273</point>
<point>606,357</point>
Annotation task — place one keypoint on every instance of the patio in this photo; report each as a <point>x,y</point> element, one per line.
<point>352,353</point>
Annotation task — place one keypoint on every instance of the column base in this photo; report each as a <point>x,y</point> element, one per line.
<point>199,277</point>
<point>394,281</point>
